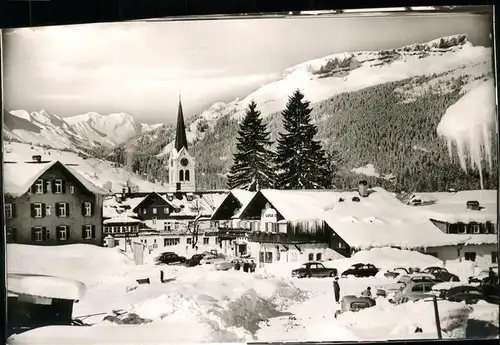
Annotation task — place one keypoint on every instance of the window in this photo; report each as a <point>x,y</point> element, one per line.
<point>189,241</point>
<point>87,209</point>
<point>474,228</point>
<point>167,226</point>
<point>62,233</point>
<point>494,257</point>
<point>470,256</point>
<point>39,187</point>
<point>294,256</point>
<point>419,288</point>
<point>8,211</point>
<point>105,229</point>
<point>154,220</point>
<point>62,209</point>
<point>48,210</point>
<point>181,175</point>
<point>165,210</point>
<point>88,232</point>
<point>461,228</point>
<point>311,257</point>
<point>186,175</point>
<point>71,189</point>
<point>144,211</point>
<point>269,257</point>
<point>48,186</point>
<point>38,210</point>
<point>318,256</point>
<point>206,240</point>
<point>171,241</point>
<point>38,234</point>
<point>58,188</point>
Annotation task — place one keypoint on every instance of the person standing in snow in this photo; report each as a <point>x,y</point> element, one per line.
<point>237,266</point>
<point>367,292</point>
<point>336,289</point>
<point>162,276</point>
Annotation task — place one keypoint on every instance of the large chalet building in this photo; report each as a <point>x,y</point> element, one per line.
<point>49,203</point>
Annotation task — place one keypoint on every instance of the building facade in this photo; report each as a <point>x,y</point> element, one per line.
<point>55,206</point>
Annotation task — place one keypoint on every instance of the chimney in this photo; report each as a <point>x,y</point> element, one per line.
<point>363,188</point>
<point>37,158</point>
<point>473,205</point>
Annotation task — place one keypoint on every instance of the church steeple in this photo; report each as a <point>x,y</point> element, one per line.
<point>180,134</point>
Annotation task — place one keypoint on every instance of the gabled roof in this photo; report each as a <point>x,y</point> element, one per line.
<point>243,197</point>
<point>19,177</point>
<point>148,197</point>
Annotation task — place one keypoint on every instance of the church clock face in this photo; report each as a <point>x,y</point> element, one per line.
<point>184,162</point>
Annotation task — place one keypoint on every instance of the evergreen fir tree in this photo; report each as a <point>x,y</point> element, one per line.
<point>301,162</point>
<point>251,167</point>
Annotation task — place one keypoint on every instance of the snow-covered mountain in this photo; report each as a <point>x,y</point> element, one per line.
<point>325,77</point>
<point>80,131</point>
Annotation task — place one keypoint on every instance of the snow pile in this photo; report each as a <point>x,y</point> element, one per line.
<point>45,286</point>
<point>387,258</point>
<point>87,263</point>
<point>405,318</point>
<point>463,270</point>
<point>468,124</point>
<point>485,312</point>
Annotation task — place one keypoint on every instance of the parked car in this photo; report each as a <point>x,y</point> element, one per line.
<point>468,294</point>
<point>361,270</point>
<point>390,289</point>
<point>229,264</point>
<point>414,291</point>
<point>354,304</point>
<point>170,258</point>
<point>313,269</point>
<point>212,259</point>
<point>195,260</point>
<point>442,274</point>
<point>481,275</point>
<point>396,272</point>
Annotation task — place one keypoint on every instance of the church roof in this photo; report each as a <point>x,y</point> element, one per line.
<point>180,133</point>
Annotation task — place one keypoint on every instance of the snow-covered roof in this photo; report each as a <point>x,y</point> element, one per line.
<point>20,176</point>
<point>296,205</point>
<point>121,219</point>
<point>382,220</point>
<point>45,286</point>
<point>451,207</point>
<point>244,197</point>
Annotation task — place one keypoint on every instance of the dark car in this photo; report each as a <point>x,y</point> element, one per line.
<point>490,288</point>
<point>466,293</point>
<point>314,269</point>
<point>354,304</point>
<point>441,274</point>
<point>170,258</point>
<point>194,260</point>
<point>361,270</point>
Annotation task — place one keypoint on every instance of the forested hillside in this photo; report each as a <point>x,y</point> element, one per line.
<point>392,126</point>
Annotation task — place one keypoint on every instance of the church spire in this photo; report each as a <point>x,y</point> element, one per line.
<point>180,134</point>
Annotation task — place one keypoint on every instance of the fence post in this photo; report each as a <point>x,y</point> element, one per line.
<point>436,315</point>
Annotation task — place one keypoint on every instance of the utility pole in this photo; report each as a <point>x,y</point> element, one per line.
<point>436,316</point>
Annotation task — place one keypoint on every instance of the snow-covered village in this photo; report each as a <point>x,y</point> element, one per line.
<point>347,192</point>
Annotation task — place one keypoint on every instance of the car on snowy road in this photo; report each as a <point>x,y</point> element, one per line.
<point>361,270</point>
<point>170,258</point>
<point>468,294</point>
<point>314,269</point>
<point>195,260</point>
<point>396,272</point>
<point>441,274</point>
<point>483,274</point>
<point>390,289</point>
<point>354,304</point>
<point>414,291</point>
<point>212,259</point>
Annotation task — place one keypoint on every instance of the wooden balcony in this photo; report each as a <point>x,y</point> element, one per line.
<point>282,238</point>
<point>225,233</point>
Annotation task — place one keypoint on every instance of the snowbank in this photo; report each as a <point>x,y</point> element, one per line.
<point>402,320</point>
<point>387,258</point>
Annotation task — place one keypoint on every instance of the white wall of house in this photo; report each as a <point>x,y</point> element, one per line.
<point>179,244</point>
<point>483,254</point>
<point>319,252</point>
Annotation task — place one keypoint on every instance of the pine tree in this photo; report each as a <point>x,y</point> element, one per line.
<point>251,167</point>
<point>301,162</point>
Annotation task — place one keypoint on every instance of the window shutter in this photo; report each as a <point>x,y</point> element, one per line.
<point>63,186</point>
<point>44,233</point>
<point>43,210</point>
<point>91,209</point>
<point>67,232</point>
<point>83,208</point>
<point>13,208</point>
<point>44,186</point>
<point>32,206</point>
<point>33,234</point>
<point>93,231</point>
<point>57,209</point>
<point>67,209</point>
<point>83,231</point>
<point>58,233</point>
<point>53,186</point>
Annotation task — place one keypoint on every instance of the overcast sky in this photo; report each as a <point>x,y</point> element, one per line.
<point>139,68</point>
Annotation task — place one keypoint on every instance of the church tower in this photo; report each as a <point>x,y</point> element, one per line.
<point>181,175</point>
